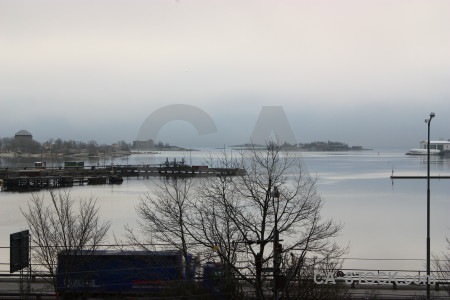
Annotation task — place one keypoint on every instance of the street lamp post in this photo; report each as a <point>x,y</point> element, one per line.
<point>428,121</point>
<point>276,241</point>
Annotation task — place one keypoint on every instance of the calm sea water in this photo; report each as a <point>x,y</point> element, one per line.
<point>384,221</point>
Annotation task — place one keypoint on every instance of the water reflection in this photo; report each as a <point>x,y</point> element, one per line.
<point>381,220</point>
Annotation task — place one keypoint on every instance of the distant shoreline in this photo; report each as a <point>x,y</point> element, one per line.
<point>61,155</point>
<point>302,149</point>
<point>86,155</point>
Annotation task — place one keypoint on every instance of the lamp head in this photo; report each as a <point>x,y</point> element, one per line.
<point>432,115</point>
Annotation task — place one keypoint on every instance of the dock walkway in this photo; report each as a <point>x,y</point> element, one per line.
<point>31,179</point>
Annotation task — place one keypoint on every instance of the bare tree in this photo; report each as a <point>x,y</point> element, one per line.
<point>243,217</point>
<point>210,224</point>
<point>300,272</point>
<point>167,218</point>
<point>57,224</point>
<point>441,265</point>
<point>163,216</point>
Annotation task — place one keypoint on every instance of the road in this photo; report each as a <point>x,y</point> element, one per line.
<point>10,289</point>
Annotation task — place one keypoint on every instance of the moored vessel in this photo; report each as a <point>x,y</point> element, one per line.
<point>436,148</point>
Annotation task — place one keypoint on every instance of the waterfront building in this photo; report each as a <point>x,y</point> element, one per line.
<point>436,145</point>
<point>23,135</point>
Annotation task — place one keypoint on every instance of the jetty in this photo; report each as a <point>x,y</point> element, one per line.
<point>420,177</point>
<point>34,178</point>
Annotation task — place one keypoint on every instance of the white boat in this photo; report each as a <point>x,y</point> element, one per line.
<point>420,151</point>
<point>436,148</point>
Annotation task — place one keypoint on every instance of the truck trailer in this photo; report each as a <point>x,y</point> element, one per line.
<point>106,273</point>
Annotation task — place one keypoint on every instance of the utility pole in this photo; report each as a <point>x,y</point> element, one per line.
<point>428,121</point>
<point>276,242</point>
<point>276,264</point>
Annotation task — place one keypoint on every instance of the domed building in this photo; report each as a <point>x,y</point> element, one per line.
<point>23,142</point>
<point>23,135</point>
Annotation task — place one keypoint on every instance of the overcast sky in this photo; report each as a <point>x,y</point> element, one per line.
<point>362,72</point>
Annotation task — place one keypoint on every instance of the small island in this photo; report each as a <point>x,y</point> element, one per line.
<point>313,146</point>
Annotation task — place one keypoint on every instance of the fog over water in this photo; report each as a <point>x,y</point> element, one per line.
<point>382,219</point>
<point>361,72</point>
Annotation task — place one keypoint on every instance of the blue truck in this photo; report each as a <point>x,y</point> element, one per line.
<point>107,273</point>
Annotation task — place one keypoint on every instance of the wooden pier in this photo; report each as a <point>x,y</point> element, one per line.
<point>29,184</point>
<point>420,177</point>
<point>32,179</point>
<point>36,183</point>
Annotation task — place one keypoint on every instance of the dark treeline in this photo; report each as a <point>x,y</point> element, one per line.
<point>325,146</point>
<point>60,146</point>
<point>19,145</point>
